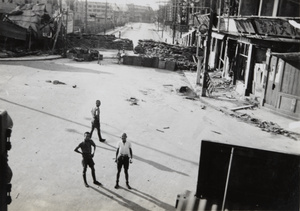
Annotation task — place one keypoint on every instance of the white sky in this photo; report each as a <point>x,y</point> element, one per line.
<point>152,3</point>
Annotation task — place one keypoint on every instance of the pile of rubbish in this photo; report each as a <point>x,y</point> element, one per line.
<point>90,41</point>
<point>266,126</point>
<point>18,53</point>
<point>182,55</point>
<point>83,54</point>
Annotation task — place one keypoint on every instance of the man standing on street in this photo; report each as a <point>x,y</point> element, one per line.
<point>87,157</point>
<point>99,58</point>
<point>96,120</point>
<point>123,158</point>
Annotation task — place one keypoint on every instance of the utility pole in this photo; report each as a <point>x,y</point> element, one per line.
<point>85,18</point>
<point>105,17</point>
<point>66,33</point>
<point>207,52</point>
<point>174,21</point>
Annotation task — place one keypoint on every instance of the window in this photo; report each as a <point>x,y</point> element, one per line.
<point>288,8</point>
<point>267,8</point>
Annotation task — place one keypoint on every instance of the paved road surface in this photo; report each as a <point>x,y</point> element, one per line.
<point>165,129</point>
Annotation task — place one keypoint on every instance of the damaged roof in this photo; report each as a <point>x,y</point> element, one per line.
<point>28,16</point>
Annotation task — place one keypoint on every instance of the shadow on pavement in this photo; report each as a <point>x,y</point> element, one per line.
<point>54,67</point>
<point>151,199</point>
<point>121,200</point>
<point>43,112</point>
<point>153,163</point>
<point>195,163</point>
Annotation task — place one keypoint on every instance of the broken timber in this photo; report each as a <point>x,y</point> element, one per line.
<point>241,107</point>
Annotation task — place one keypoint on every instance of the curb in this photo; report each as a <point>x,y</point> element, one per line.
<point>31,58</point>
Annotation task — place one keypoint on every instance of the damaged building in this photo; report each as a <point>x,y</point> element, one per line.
<point>255,43</point>
<point>27,27</point>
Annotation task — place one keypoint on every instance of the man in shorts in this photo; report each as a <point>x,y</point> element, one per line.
<point>96,120</point>
<point>87,157</point>
<point>123,158</point>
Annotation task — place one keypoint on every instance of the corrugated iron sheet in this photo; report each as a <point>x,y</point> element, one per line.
<point>12,31</point>
<point>292,56</point>
<point>28,15</point>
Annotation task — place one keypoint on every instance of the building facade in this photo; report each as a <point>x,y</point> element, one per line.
<point>254,42</point>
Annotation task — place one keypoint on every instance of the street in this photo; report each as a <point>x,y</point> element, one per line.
<point>164,127</point>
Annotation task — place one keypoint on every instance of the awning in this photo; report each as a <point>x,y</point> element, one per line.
<point>278,27</point>
<point>217,35</point>
<point>293,56</point>
<point>202,19</point>
<point>244,26</point>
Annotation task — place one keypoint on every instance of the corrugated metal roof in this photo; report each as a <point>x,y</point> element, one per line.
<point>292,56</point>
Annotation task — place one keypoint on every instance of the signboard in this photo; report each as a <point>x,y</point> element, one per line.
<point>245,26</point>
<point>276,27</point>
<point>203,19</point>
<point>70,24</point>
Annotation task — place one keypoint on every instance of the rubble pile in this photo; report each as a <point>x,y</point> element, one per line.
<point>82,54</point>
<point>183,56</point>
<point>18,53</point>
<point>98,41</point>
<point>270,127</point>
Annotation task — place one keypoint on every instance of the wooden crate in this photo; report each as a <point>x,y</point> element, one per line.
<point>171,65</point>
<point>162,64</point>
<point>137,61</point>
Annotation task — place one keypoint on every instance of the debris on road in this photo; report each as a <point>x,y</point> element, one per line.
<point>160,130</point>
<point>216,132</point>
<point>265,125</point>
<point>188,92</point>
<point>83,54</point>
<point>98,41</point>
<point>56,82</point>
<point>133,101</point>
<point>242,107</point>
<point>181,56</point>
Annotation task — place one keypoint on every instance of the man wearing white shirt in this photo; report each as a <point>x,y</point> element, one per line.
<point>123,158</point>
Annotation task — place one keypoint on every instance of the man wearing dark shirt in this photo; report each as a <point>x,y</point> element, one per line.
<point>87,157</point>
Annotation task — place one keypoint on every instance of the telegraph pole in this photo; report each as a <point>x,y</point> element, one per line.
<point>174,21</point>
<point>105,17</point>
<point>85,18</point>
<point>207,52</point>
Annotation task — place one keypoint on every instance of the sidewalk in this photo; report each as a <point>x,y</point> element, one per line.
<point>262,117</point>
<point>32,58</point>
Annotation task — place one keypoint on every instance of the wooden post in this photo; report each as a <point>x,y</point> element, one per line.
<point>207,52</point>
<point>57,32</point>
<point>227,179</point>
<point>265,85</point>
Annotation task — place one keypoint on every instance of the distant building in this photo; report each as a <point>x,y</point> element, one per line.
<point>140,13</point>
